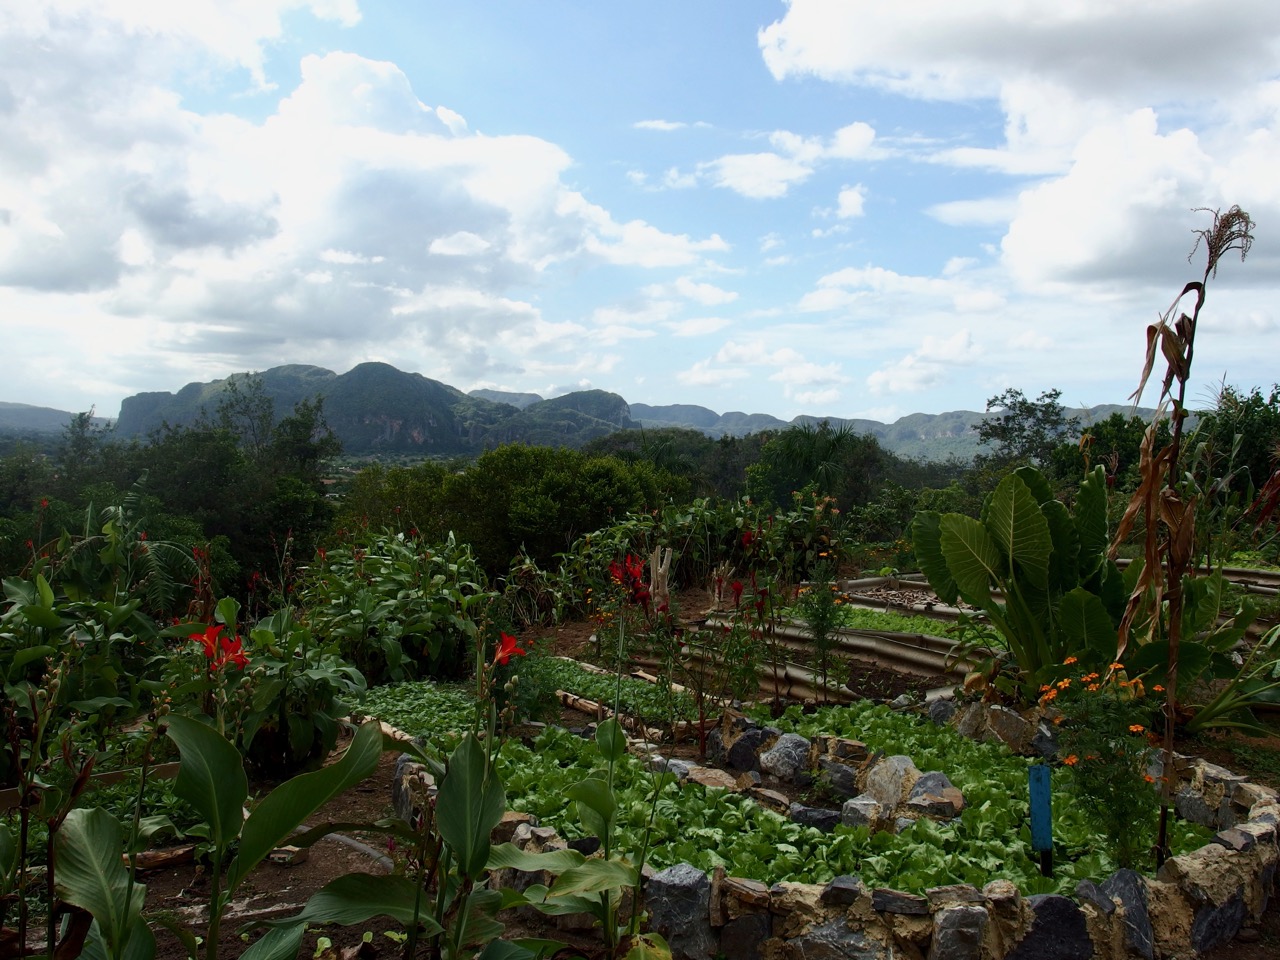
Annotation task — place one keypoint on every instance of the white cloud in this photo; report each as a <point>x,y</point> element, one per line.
<point>984,212</point>
<point>940,49</point>
<point>770,175</point>
<point>663,125</point>
<point>759,176</point>
<point>698,326</point>
<point>849,202</point>
<point>924,367</point>
<point>707,294</point>
<point>464,243</point>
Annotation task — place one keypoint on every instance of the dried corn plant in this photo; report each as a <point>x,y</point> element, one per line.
<point>1166,504</point>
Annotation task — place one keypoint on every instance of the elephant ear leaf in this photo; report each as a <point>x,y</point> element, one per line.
<point>926,536</point>
<point>1020,529</point>
<point>1091,521</point>
<point>973,558</point>
<point>1086,625</point>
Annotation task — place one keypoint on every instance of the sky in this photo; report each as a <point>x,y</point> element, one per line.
<point>826,207</point>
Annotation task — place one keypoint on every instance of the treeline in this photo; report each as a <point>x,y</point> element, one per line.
<point>251,490</point>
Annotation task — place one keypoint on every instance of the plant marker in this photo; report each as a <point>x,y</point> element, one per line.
<point>1041,816</point>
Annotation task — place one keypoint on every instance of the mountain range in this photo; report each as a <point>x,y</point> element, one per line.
<point>376,408</point>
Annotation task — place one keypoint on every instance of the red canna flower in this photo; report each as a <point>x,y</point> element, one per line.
<point>210,640</point>
<point>736,587</point>
<point>44,503</point>
<point>508,647</point>
<point>232,652</point>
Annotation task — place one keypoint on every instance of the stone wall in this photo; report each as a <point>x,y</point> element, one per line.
<point>1197,901</point>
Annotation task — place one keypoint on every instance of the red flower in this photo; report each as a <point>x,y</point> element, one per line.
<point>630,574</point>
<point>736,587</point>
<point>210,640</point>
<point>232,652</point>
<point>508,647</point>
<point>323,555</point>
<point>747,538</point>
<point>44,503</point>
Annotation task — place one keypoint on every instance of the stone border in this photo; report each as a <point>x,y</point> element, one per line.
<point>1197,901</point>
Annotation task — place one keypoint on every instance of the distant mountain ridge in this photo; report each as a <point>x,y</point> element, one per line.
<point>374,407</point>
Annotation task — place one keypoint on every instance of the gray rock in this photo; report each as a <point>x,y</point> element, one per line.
<point>1009,727</point>
<point>957,933</point>
<point>890,778</point>
<point>1130,889</point>
<point>1045,742</point>
<point>1058,931</point>
<point>679,901</point>
<point>1191,806</point>
<point>585,845</point>
<point>895,901</point>
<point>862,811</point>
<point>932,782</point>
<point>1213,925</point>
<point>936,808</point>
<point>788,759</point>
<point>844,891</point>
<point>954,894</point>
<point>901,703</point>
<point>742,937</point>
<point>843,748</point>
<point>842,778</point>
<point>903,824</point>
<point>1236,840</point>
<point>819,817</point>
<point>971,720</point>
<point>836,940</point>
<point>1089,892</point>
<point>744,753</point>
<point>942,710</point>
<point>715,746</point>
<point>677,768</point>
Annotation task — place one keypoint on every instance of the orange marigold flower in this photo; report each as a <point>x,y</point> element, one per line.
<point>1071,761</point>
<point>1088,677</point>
<point>1092,687</point>
<point>1049,696</point>
<point>1136,728</point>
<point>1117,665</point>
<point>1044,687</point>
<point>1158,688</point>
<point>1070,660</point>
<point>1147,777</point>
<point>1063,684</point>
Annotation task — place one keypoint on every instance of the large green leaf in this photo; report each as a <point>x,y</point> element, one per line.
<point>506,855</point>
<point>1017,525</point>
<point>1091,520</point>
<point>279,943</point>
<point>211,778</point>
<point>1064,560</point>
<point>973,558</point>
<point>289,804</point>
<point>648,946</point>
<point>469,805</point>
<point>1036,483</point>
<point>91,875</point>
<point>611,741</point>
<point>926,537</point>
<point>359,897</point>
<point>1086,625</point>
<point>597,805</point>
<point>593,876</point>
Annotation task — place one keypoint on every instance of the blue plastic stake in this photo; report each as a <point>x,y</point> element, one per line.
<point>1041,817</point>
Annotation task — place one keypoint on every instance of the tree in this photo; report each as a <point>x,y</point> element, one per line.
<point>1026,431</point>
